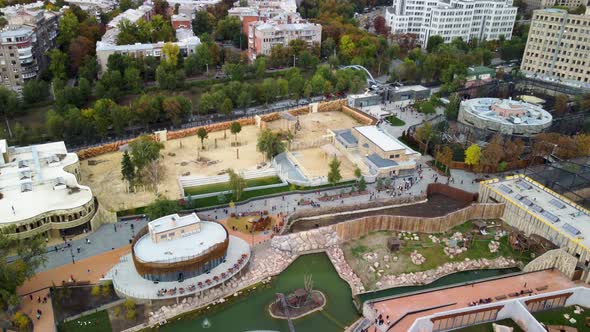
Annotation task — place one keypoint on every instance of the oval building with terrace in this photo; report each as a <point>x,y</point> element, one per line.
<point>504,116</point>
<point>40,194</point>
<point>175,256</point>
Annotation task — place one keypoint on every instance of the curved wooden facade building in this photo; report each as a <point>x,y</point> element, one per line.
<point>182,267</point>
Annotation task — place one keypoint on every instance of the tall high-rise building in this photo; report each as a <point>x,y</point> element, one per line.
<point>558,47</point>
<point>24,42</point>
<point>450,19</point>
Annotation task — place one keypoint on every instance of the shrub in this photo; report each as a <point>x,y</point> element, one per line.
<point>129,304</point>
<point>105,289</point>
<point>130,315</point>
<point>95,290</point>
<point>117,311</point>
<point>21,321</point>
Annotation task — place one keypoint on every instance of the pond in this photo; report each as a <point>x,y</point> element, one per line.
<point>451,279</point>
<point>251,312</point>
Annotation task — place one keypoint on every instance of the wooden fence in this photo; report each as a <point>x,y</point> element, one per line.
<point>354,229</point>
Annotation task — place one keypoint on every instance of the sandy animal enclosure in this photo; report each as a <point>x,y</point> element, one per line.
<point>179,157</point>
<point>314,125</point>
<point>314,162</point>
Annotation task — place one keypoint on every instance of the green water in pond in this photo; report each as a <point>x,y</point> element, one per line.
<point>451,279</point>
<point>251,312</point>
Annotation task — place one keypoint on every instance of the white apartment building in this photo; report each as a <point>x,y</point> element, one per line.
<point>263,8</point>
<point>186,39</point>
<point>450,19</point>
<point>558,48</point>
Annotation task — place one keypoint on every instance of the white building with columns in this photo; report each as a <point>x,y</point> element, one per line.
<point>450,19</point>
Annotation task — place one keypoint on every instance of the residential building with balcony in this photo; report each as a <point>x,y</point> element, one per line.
<point>558,48</point>
<point>542,4</point>
<point>261,10</point>
<point>40,193</point>
<point>24,42</point>
<point>450,19</point>
<point>280,30</point>
<point>185,38</point>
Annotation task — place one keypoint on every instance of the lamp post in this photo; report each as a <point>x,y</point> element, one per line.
<point>72,253</point>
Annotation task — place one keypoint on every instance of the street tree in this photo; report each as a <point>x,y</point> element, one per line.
<point>9,105</point>
<point>334,175</point>
<point>269,144</point>
<point>202,134</point>
<point>127,168</point>
<point>472,155</point>
<point>424,134</point>
<point>561,102</point>
<point>144,149</point>
<point>513,149</point>
<point>444,156</point>
<point>235,128</point>
<point>161,207</point>
<point>226,107</point>
<point>237,184</point>
<point>493,152</point>
<point>152,173</point>
<point>27,255</point>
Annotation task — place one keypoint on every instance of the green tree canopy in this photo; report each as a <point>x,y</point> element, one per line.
<point>30,255</point>
<point>269,144</point>
<point>334,175</point>
<point>161,207</point>
<point>144,149</point>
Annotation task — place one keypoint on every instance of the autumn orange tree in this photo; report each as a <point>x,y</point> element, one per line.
<point>493,152</point>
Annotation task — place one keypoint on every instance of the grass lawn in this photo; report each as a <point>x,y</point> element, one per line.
<point>376,242</point>
<point>488,326</point>
<point>240,224</point>
<point>555,317</point>
<point>217,187</point>
<point>215,200</point>
<point>395,121</point>
<point>98,322</point>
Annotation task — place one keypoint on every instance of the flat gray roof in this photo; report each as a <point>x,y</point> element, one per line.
<point>558,212</point>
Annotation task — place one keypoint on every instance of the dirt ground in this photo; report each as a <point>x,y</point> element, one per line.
<point>437,205</point>
<point>373,243</point>
<point>314,125</point>
<point>179,157</point>
<point>313,162</point>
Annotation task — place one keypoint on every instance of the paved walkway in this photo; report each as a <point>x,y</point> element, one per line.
<point>110,236</point>
<point>462,296</point>
<point>89,269</point>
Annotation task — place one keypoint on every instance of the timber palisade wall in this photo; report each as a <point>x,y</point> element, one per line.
<point>354,229</point>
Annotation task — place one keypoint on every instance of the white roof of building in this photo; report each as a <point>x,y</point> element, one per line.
<point>561,213</point>
<point>34,182</point>
<point>182,248</point>
<point>132,15</point>
<point>384,141</point>
<point>172,221</point>
<point>482,108</point>
<point>411,88</point>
